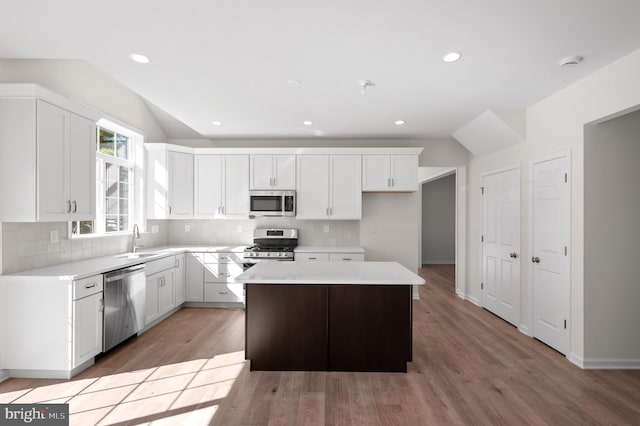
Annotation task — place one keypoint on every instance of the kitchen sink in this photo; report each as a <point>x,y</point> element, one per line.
<point>135,255</point>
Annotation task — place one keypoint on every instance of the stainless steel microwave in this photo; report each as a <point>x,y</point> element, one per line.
<point>272,203</point>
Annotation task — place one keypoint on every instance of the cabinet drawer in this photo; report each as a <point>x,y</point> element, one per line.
<point>223,293</point>
<point>160,265</point>
<point>221,272</point>
<point>87,286</point>
<point>346,257</point>
<point>223,258</point>
<point>312,256</point>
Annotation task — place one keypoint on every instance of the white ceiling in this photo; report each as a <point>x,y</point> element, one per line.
<point>230,60</point>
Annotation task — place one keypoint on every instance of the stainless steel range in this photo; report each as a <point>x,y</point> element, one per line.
<point>271,244</point>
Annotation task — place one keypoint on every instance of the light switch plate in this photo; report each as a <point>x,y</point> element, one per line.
<point>239,228</point>
<point>187,228</point>
<point>326,229</point>
<point>53,237</point>
<point>155,229</point>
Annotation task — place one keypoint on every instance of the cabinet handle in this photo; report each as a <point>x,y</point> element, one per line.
<point>169,209</point>
<point>222,208</point>
<point>90,285</point>
<point>312,258</point>
<point>75,206</point>
<point>330,211</point>
<point>68,206</point>
<point>392,182</point>
<point>346,258</point>
<point>223,292</point>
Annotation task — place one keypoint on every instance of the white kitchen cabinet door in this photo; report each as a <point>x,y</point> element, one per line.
<point>404,172</point>
<point>180,184</point>
<point>389,173</point>
<point>52,136</point>
<point>166,300</point>
<point>82,168</point>
<point>208,185</point>
<point>87,328</point>
<point>151,311</point>
<point>194,277</point>
<point>284,172</point>
<point>345,187</point>
<point>273,172</point>
<point>179,279</point>
<point>261,172</point>
<point>375,173</point>
<point>313,187</point>
<point>236,186</point>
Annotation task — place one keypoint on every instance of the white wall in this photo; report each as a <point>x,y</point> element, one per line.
<point>553,124</point>
<point>438,221</point>
<point>611,237</point>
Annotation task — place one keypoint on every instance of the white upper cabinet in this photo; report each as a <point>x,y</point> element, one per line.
<point>222,186</point>
<point>329,187</point>
<point>169,182</point>
<point>273,171</point>
<point>180,184</point>
<point>389,173</point>
<point>54,163</point>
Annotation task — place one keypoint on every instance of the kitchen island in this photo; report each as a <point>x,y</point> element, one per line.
<point>329,316</point>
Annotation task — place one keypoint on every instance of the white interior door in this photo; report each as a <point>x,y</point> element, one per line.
<point>501,244</point>
<point>550,266</point>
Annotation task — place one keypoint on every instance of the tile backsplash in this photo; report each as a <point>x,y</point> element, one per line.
<point>27,245</point>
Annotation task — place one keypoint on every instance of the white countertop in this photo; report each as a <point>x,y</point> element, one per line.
<point>305,272</point>
<point>99,265</point>
<point>329,249</point>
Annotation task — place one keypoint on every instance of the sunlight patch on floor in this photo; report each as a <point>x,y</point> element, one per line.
<point>181,393</point>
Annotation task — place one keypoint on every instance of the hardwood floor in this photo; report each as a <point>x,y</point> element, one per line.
<point>469,367</point>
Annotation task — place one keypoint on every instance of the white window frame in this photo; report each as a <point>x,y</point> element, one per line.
<point>135,161</point>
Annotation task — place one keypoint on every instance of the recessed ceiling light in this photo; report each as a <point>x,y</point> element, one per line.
<point>294,83</point>
<point>217,123</point>
<point>399,122</point>
<point>307,123</point>
<point>139,58</point>
<point>452,57</point>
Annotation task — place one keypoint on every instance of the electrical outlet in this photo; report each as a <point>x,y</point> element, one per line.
<point>53,237</point>
<point>373,229</point>
<point>187,228</point>
<point>155,229</point>
<point>239,228</point>
<point>326,229</point>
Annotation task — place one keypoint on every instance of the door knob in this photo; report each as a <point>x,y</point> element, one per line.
<point>535,259</point>
<point>513,255</point>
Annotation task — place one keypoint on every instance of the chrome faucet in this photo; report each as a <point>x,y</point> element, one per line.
<point>136,235</point>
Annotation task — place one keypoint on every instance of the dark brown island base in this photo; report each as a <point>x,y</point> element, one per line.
<point>308,321</point>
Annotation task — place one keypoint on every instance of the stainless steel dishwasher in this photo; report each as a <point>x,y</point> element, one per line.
<point>124,299</point>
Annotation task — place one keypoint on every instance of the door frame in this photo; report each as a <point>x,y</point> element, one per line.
<point>530,292</point>
<point>518,167</point>
<point>460,224</point>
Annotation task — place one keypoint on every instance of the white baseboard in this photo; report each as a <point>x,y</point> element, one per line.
<point>604,363</point>
<point>469,298</point>
<point>524,330</point>
<point>4,375</point>
<point>438,262</point>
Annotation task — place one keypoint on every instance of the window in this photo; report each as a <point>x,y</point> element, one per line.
<point>114,183</point>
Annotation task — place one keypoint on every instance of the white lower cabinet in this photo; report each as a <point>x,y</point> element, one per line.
<point>159,297</point>
<point>52,326</point>
<point>194,277</point>
<point>87,328</point>
<point>323,257</point>
<point>223,293</point>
